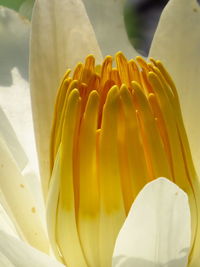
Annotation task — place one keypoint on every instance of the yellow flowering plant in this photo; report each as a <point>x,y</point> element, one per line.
<point>105,130</point>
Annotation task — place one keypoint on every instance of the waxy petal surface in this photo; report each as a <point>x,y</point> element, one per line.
<point>154,233</point>
<point>61,36</point>
<point>176,43</point>
<point>15,253</point>
<point>19,201</point>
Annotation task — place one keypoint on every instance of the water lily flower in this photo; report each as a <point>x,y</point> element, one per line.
<point>114,130</point>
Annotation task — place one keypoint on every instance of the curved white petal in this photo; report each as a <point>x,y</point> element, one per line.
<point>61,36</point>
<point>20,254</point>
<point>157,229</point>
<point>4,261</point>
<point>14,88</point>
<point>34,184</point>
<point>176,43</point>
<point>6,224</point>
<point>52,200</point>
<point>107,18</point>
<point>19,201</point>
<point>26,167</point>
<point>8,134</point>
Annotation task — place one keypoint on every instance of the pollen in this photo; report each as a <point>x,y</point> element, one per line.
<point>116,127</point>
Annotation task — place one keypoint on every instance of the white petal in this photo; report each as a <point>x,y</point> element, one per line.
<point>20,203</point>
<point>157,229</point>
<point>8,134</point>
<point>4,261</point>
<point>6,224</point>
<point>19,254</point>
<point>52,201</point>
<point>61,36</point>
<point>35,186</point>
<point>107,18</point>
<point>176,43</point>
<point>14,88</point>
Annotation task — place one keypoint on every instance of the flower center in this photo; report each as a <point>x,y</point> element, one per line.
<point>114,130</point>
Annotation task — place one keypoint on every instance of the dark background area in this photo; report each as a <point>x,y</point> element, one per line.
<point>141,19</point>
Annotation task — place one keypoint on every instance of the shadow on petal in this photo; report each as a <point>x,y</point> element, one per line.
<point>123,261</point>
<point>14,36</point>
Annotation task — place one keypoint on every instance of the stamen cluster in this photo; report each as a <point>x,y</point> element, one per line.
<point>114,130</point>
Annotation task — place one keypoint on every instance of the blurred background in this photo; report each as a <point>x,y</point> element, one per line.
<point>141,18</point>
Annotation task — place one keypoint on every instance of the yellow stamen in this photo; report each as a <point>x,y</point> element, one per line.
<point>114,130</point>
